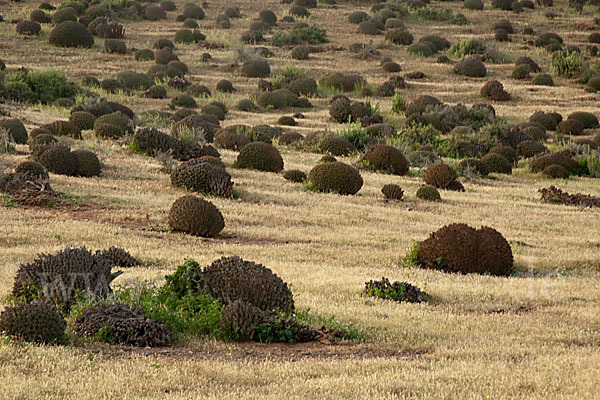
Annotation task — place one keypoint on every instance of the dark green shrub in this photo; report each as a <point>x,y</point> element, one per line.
<point>188,36</point>
<point>340,110</point>
<point>473,4</point>
<point>521,71</point>
<point>335,177</point>
<point>34,322</point>
<point>40,17</point>
<point>294,175</point>
<point>155,92</point>
<point>589,120</point>
<point>42,86</point>
<point>82,120</point>
<point>541,161</point>
<point>302,86</point>
<point>545,120</point>
<point>571,127</point>
<point>164,55</point>
<point>16,129</point>
<point>260,156</point>
<point>460,248</point>
<point>199,126</point>
<point>429,193</point>
<point>151,140</point>
<point>420,49</point>
<point>300,52</point>
<point>198,91</point>
<point>256,68</point>
<point>67,14</point>
<point>543,80</point>
<point>530,148</point>
<point>299,12</point>
<point>268,17</point>
<point>399,36</point>
<point>134,80</point>
<point>299,35</point>
<point>289,138</point>
<point>356,17</point>
<point>71,34</point>
<point>345,83</point>
<point>59,160</point>
<point>193,11</point>
<point>87,163</point>
<point>231,140</point>
<point>195,216</point>
<point>470,165</point>
<point>184,100</point>
<point>505,151</point>
<point>287,121</point>
<point>28,28</point>
<point>397,291</point>
<point>368,28</point>
<point>280,98</point>
<point>154,13</point>
<point>336,146</point>
<point>497,163</point>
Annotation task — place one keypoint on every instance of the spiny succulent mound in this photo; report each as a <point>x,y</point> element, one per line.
<point>260,156</point>
<point>336,146</point>
<point>88,163</point>
<point>28,28</point>
<point>119,257</point>
<point>294,175</point>
<point>59,160</point>
<point>232,278</point>
<point>397,291</point>
<point>429,193</point>
<point>589,120</point>
<point>494,90</point>
<point>33,169</point>
<point>82,120</point>
<point>440,175</point>
<point>460,248</point>
<point>71,34</point>
<point>340,110</point>
<point>556,171</point>
<point>530,148</point>
<point>399,36</point>
<point>290,137</point>
<point>335,177</point>
<point>256,68</point>
<point>195,216</point>
<point>392,191</point>
<point>497,163</point>
<point>507,152</point>
<point>199,175</point>
<point>386,158</point>
<point>541,161</point>
<point>199,125</point>
<point>64,128</point>
<point>16,129</point>
<point>231,140</point>
<point>151,140</point>
<point>56,277</point>
<point>279,98</point>
<point>471,67</point>
<point>33,322</point>
<point>121,324</point>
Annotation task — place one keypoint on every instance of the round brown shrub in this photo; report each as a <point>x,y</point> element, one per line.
<point>33,322</point>
<point>195,216</point>
<point>294,175</point>
<point>530,148</point>
<point>472,67</point>
<point>336,146</point>
<point>392,192</point>
<point>556,171</point>
<point>268,17</point>
<point>356,17</point>
<point>83,120</point>
<point>439,175</point>
<point>335,177</point>
<point>507,152</point>
<point>368,28</point>
<point>116,46</point>
<point>260,156</point>
<point>571,127</point>
<point>201,175</point>
<point>541,161</point>
<point>88,163</point>
<point>28,28</point>
<point>460,248</point>
<point>494,90</point>
<point>231,140</point>
<point>16,129</point>
<point>71,34</point>
<point>59,160</point>
<point>399,36</point>
<point>154,13</point>
<point>589,120</point>
<point>474,165</point>
<point>256,68</point>
<point>386,158</point>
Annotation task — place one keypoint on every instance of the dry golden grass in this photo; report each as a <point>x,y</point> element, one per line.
<point>531,337</point>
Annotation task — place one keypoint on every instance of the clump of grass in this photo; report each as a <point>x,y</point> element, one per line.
<point>355,134</point>
<point>398,104</point>
<point>567,63</point>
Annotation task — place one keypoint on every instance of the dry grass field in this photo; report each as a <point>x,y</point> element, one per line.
<point>533,335</point>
